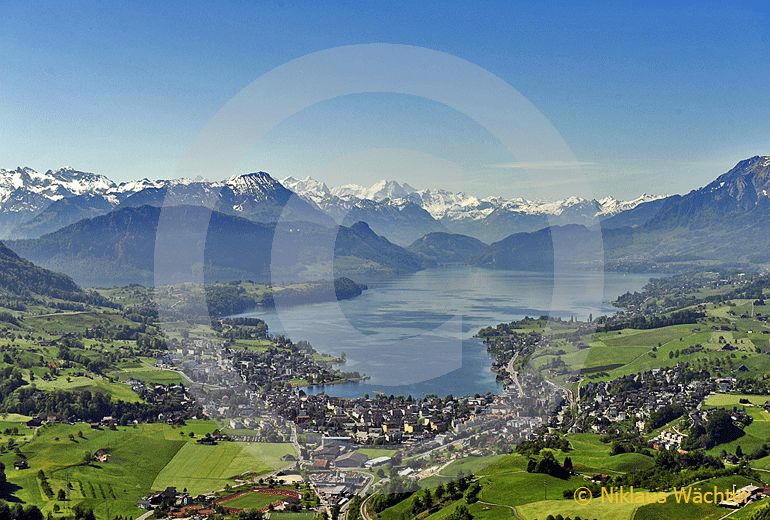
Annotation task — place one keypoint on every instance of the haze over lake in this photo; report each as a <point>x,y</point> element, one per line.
<point>414,334</point>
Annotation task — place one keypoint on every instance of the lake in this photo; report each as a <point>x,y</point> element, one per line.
<point>414,334</point>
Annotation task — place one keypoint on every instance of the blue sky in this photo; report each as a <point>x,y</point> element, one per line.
<point>650,98</point>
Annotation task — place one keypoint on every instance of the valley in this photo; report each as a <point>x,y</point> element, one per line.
<point>384,260</point>
<point>308,369</point>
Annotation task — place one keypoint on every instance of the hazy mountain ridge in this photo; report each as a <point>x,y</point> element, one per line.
<point>449,248</point>
<point>728,220</point>
<point>119,248</point>
<point>703,224</point>
<point>21,278</point>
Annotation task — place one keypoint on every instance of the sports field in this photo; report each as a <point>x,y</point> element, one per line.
<point>251,501</point>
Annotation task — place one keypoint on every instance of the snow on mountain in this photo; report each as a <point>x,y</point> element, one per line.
<point>25,189</point>
<point>457,206</point>
<point>260,185</point>
<point>136,186</point>
<point>378,191</point>
<point>52,184</point>
<point>443,204</point>
<point>308,187</point>
<point>611,206</point>
<point>12,180</point>
<point>78,183</point>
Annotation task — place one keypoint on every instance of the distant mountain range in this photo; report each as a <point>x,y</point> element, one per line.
<point>101,233</point>
<point>33,204</point>
<point>726,221</point>
<point>404,213</point>
<point>119,248</point>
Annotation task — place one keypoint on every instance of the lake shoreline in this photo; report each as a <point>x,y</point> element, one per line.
<point>414,334</point>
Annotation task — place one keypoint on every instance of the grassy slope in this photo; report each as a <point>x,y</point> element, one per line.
<point>111,487</point>
<point>507,485</point>
<point>143,458</point>
<point>201,468</point>
<point>687,511</point>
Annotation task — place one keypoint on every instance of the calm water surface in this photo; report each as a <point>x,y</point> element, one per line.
<point>414,334</point>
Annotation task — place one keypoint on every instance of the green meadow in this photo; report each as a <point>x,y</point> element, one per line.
<point>201,468</point>
<point>509,491</point>
<point>143,458</point>
<point>118,391</point>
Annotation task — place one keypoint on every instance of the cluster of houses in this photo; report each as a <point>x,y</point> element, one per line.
<point>668,440</point>
<point>168,497</point>
<point>284,363</point>
<point>377,420</point>
<point>177,396</point>
<point>638,396</point>
<point>700,416</point>
<point>339,453</point>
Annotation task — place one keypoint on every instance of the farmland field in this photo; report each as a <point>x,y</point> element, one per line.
<point>118,391</point>
<point>144,371</point>
<point>142,458</point>
<point>201,468</point>
<point>730,400</point>
<point>110,488</point>
<point>757,434</point>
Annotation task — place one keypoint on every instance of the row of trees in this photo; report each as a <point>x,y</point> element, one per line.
<point>431,501</point>
<point>548,465</point>
<point>687,316</point>
<point>84,406</point>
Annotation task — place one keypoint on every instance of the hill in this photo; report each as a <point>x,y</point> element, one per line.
<point>19,277</point>
<point>575,245</point>
<point>119,249</point>
<point>448,248</point>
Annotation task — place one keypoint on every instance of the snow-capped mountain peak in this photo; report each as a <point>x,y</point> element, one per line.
<point>308,187</point>
<point>136,186</point>
<point>447,205</point>
<point>79,182</point>
<point>258,184</point>
<point>379,191</point>
<point>612,206</point>
<point>395,209</point>
<point>52,184</point>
